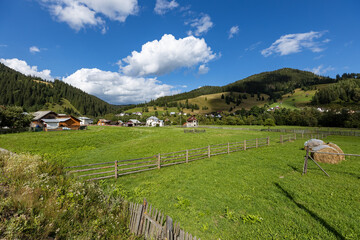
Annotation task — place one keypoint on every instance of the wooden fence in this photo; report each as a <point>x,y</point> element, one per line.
<point>294,136</point>
<point>194,131</point>
<point>114,169</point>
<point>150,223</point>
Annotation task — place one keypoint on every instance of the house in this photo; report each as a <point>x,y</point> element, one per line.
<point>61,122</point>
<point>154,121</point>
<point>84,121</point>
<point>135,122</point>
<point>137,113</point>
<point>172,113</point>
<point>191,122</point>
<point>39,115</point>
<point>103,122</point>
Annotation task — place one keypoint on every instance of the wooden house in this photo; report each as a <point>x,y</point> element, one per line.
<point>39,115</point>
<point>84,121</point>
<point>103,122</point>
<point>192,122</point>
<point>64,122</point>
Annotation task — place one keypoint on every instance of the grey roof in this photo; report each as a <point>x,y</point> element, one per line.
<point>84,118</point>
<point>56,120</point>
<point>40,114</point>
<point>153,118</point>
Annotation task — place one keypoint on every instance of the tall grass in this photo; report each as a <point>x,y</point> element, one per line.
<point>38,201</point>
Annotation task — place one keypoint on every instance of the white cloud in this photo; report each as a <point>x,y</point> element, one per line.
<point>34,49</point>
<point>162,6</point>
<point>24,68</point>
<point>166,55</point>
<point>203,69</point>
<point>233,30</point>
<point>116,88</point>
<point>253,46</point>
<point>81,13</point>
<point>294,43</point>
<point>201,25</point>
<point>320,70</point>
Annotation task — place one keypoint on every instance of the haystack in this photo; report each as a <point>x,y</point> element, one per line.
<point>320,156</point>
<point>337,148</point>
<point>313,143</point>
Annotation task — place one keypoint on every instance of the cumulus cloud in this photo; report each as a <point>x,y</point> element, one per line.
<point>294,43</point>
<point>163,6</point>
<point>116,88</point>
<point>203,69</point>
<point>233,30</point>
<point>166,55</point>
<point>81,13</point>
<point>24,68</point>
<point>34,49</point>
<point>201,25</point>
<point>320,70</point>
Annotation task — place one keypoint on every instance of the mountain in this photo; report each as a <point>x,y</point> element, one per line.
<point>33,93</point>
<point>274,84</point>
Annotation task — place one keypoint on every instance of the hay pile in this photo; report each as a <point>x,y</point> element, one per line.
<point>319,148</point>
<point>313,143</point>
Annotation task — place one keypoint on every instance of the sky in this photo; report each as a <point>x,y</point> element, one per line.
<point>132,51</point>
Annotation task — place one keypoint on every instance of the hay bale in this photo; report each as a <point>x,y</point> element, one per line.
<point>313,143</point>
<point>318,156</point>
<point>337,148</point>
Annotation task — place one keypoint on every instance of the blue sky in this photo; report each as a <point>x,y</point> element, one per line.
<point>131,51</point>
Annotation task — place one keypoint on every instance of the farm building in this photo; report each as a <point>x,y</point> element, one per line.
<point>192,122</point>
<point>39,115</point>
<point>84,121</point>
<point>154,121</point>
<point>103,122</point>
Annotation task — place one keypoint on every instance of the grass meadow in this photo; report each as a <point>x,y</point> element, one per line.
<point>254,194</point>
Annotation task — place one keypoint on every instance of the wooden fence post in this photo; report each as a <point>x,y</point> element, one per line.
<point>294,136</point>
<point>228,148</point>
<point>244,144</point>
<point>187,156</point>
<point>116,170</point>
<point>209,153</point>
<point>256,142</point>
<point>159,161</point>
<point>302,135</point>
<point>281,139</point>
<point>268,141</point>
<point>306,161</point>
<point>169,228</point>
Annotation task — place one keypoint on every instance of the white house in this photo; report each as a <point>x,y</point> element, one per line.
<point>192,122</point>
<point>135,122</point>
<point>154,121</point>
<point>85,121</point>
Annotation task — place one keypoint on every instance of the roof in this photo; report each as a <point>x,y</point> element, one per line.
<point>192,118</point>
<point>104,120</point>
<point>153,118</point>
<point>40,114</point>
<point>56,120</point>
<point>134,121</point>
<point>84,118</point>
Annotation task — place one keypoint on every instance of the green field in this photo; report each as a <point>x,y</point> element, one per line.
<point>254,194</point>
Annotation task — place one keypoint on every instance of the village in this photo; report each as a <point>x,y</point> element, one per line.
<point>52,121</point>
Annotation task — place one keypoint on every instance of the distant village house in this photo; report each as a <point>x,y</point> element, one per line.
<point>192,122</point>
<point>154,121</point>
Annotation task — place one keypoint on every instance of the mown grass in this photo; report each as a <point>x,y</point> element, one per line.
<point>257,194</point>
<point>104,144</point>
<point>254,194</point>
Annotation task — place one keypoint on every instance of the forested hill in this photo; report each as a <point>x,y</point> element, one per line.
<point>33,94</point>
<point>275,84</point>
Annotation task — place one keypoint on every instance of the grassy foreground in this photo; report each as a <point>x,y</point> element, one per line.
<point>255,194</point>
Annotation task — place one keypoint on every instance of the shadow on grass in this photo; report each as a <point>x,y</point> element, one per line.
<point>296,169</point>
<point>311,213</point>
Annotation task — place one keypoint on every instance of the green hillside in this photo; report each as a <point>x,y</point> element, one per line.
<point>36,94</point>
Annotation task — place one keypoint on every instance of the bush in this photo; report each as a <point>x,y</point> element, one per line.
<point>39,201</point>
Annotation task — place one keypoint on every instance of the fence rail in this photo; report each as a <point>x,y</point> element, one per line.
<point>97,171</point>
<point>148,222</point>
<point>294,136</point>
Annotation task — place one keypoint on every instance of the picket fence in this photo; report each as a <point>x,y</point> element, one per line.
<point>150,223</point>
<point>117,168</point>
